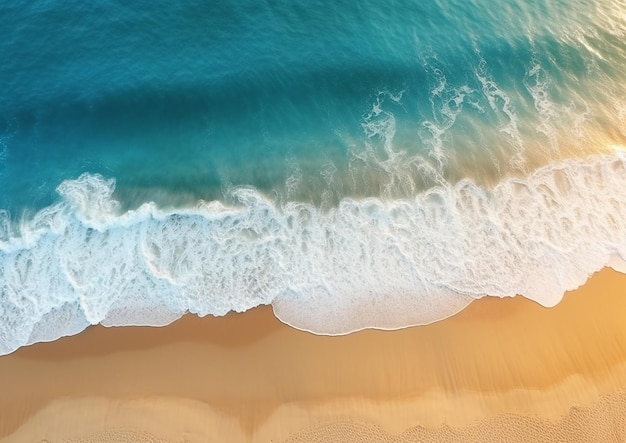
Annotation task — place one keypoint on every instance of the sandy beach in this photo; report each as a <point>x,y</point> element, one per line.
<point>502,368</point>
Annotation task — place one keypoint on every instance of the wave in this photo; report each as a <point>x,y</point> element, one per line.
<point>368,263</point>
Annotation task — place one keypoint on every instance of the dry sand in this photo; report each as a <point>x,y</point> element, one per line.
<point>503,368</point>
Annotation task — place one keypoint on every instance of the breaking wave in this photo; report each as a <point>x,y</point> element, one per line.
<point>365,263</point>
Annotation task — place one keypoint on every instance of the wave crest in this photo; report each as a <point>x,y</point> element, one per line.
<point>366,263</point>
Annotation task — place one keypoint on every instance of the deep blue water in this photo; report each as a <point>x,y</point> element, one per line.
<point>263,106</point>
<point>191,98</point>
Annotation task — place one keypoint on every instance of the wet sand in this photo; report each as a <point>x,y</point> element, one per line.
<point>501,368</point>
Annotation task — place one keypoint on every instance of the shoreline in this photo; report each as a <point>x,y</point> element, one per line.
<point>249,377</point>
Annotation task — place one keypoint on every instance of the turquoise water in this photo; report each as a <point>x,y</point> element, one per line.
<point>372,165</point>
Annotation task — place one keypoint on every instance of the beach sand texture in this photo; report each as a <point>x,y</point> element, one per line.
<point>501,370</point>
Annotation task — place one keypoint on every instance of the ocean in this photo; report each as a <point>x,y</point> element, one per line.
<point>354,164</point>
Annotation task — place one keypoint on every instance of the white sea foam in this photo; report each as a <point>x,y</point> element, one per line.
<point>365,263</point>
<point>500,103</point>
